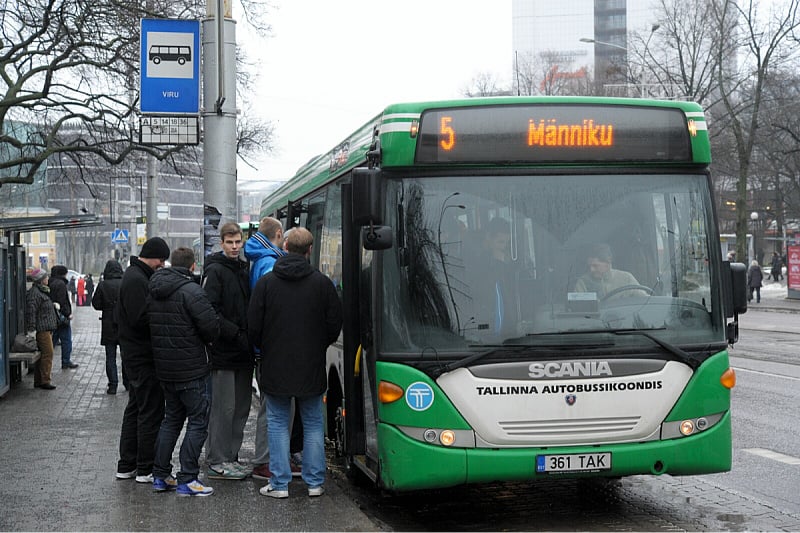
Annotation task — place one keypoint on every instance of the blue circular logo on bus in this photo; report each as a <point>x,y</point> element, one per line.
<point>419,396</point>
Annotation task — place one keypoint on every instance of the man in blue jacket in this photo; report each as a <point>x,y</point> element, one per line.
<point>182,323</point>
<point>262,250</point>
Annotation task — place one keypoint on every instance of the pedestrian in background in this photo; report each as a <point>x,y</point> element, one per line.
<point>89,289</point>
<point>295,314</point>
<point>226,280</point>
<point>60,295</point>
<point>145,409</point>
<point>262,250</point>
<point>73,288</point>
<point>754,278</point>
<point>776,267</point>
<point>81,291</point>
<point>104,300</point>
<point>40,320</point>
<point>182,323</point>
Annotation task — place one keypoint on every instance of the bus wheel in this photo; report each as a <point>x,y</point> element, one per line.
<point>156,60</point>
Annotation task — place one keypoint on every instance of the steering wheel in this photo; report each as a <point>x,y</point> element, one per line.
<point>624,288</point>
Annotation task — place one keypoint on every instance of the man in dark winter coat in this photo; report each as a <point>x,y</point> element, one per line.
<point>182,323</point>
<point>293,336</point>
<point>40,321</point>
<point>60,295</point>
<point>226,282</point>
<point>145,408</point>
<point>105,299</point>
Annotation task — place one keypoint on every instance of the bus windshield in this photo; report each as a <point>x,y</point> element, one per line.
<point>482,261</point>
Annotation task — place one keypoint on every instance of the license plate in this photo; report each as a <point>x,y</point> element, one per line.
<point>575,462</point>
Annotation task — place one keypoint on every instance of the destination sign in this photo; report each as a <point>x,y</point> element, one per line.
<point>560,133</point>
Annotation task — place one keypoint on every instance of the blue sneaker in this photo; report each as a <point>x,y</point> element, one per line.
<point>194,488</point>
<point>163,485</point>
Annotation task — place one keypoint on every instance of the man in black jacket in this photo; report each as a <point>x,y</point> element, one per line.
<point>182,323</point>
<point>293,337</point>
<point>60,295</point>
<point>145,408</point>
<point>227,284</point>
<point>104,300</point>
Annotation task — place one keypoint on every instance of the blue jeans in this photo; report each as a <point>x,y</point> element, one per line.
<point>64,335</point>
<point>186,401</point>
<point>278,418</point>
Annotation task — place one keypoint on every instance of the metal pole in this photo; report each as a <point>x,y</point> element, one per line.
<point>151,225</point>
<point>219,110</point>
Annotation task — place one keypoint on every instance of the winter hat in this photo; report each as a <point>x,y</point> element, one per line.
<point>37,274</point>
<point>58,271</point>
<point>155,248</point>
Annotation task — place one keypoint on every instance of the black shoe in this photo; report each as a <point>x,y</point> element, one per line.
<point>70,365</point>
<point>111,390</point>
<point>47,386</point>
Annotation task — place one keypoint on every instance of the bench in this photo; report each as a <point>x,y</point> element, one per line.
<point>21,363</point>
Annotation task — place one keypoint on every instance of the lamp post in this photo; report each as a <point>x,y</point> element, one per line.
<point>754,219</point>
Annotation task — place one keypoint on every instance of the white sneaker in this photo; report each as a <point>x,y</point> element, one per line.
<point>144,479</point>
<point>269,490</point>
<point>126,475</point>
<point>313,492</point>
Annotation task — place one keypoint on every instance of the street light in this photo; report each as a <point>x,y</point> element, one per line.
<point>593,41</point>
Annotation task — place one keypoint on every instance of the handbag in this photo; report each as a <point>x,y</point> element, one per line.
<point>62,320</point>
<point>23,343</point>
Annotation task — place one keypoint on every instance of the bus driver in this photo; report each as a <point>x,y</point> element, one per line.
<point>602,279</point>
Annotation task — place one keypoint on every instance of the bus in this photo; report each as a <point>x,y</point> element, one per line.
<point>475,346</point>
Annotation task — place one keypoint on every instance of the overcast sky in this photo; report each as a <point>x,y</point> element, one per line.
<point>331,66</point>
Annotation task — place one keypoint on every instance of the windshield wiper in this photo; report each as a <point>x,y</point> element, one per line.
<point>680,355</point>
<point>480,355</point>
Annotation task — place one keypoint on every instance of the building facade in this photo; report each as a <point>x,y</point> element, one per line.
<point>574,38</point>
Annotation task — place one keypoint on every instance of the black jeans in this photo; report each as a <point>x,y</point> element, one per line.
<point>140,422</point>
<point>189,402</point>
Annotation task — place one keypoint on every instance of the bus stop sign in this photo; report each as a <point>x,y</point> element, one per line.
<point>170,66</point>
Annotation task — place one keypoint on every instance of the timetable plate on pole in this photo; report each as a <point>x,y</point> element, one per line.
<point>169,129</point>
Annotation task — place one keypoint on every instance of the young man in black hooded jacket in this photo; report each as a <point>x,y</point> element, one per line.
<point>227,283</point>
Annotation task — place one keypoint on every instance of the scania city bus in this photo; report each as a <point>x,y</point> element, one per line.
<point>532,287</point>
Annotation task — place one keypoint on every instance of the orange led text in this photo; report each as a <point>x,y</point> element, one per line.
<point>550,133</point>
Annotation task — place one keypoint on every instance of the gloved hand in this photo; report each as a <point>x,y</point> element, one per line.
<point>57,306</point>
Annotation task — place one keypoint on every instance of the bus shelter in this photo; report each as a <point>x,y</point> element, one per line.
<point>12,268</point>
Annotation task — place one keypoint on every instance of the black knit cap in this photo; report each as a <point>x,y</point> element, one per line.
<point>155,248</point>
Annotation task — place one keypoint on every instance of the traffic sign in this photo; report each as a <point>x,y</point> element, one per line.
<point>170,66</point>
<point>119,236</point>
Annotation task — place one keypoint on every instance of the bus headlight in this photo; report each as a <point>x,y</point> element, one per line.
<point>687,427</point>
<point>447,437</point>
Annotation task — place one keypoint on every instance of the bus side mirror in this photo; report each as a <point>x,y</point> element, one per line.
<point>366,196</point>
<point>734,288</point>
<point>376,237</point>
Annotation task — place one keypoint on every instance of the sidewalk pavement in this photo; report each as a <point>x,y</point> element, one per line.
<point>59,451</point>
<point>774,298</point>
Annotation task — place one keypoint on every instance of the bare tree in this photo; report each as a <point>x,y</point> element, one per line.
<point>550,73</point>
<point>70,66</point>
<point>484,84</point>
<point>766,38</point>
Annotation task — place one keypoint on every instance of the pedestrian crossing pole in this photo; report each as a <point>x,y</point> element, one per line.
<point>219,112</point>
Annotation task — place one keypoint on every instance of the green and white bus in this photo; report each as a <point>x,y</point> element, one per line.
<point>478,346</point>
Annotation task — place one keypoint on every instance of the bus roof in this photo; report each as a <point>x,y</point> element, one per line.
<point>399,146</point>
